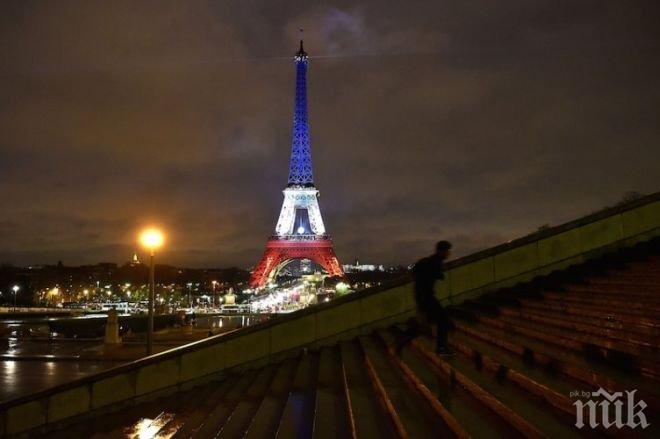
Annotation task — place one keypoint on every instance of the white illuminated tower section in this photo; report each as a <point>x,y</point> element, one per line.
<point>300,232</point>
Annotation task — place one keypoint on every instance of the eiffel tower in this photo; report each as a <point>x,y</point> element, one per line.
<point>300,232</point>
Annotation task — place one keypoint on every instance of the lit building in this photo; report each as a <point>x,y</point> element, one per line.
<point>357,267</point>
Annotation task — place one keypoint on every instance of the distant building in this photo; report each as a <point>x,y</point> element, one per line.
<point>357,267</point>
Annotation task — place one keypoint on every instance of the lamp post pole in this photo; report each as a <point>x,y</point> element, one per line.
<point>152,288</point>
<point>189,297</point>
<point>151,239</point>
<point>214,298</point>
<point>15,288</point>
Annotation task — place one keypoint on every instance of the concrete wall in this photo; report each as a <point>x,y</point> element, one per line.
<point>324,324</point>
<point>552,251</point>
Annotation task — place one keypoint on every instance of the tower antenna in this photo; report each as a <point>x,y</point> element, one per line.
<point>301,52</point>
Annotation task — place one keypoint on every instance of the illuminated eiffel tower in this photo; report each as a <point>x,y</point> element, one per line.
<point>300,233</point>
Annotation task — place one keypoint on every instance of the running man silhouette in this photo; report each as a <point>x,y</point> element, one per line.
<point>425,272</point>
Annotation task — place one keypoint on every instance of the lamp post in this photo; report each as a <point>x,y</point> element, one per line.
<point>15,289</point>
<point>189,297</point>
<point>214,283</point>
<point>151,239</point>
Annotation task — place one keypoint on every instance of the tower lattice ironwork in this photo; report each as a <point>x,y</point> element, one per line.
<point>300,232</point>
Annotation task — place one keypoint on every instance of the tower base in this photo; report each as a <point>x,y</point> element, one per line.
<point>279,251</point>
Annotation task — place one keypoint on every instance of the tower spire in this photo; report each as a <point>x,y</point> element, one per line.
<point>300,166</point>
<point>301,52</point>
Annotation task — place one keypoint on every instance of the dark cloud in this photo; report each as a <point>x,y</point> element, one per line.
<point>477,121</point>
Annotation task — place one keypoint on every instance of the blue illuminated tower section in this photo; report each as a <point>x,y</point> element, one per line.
<point>300,232</point>
<point>300,167</point>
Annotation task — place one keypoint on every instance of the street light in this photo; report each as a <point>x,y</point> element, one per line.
<point>214,283</point>
<point>189,298</point>
<point>151,239</point>
<point>15,289</point>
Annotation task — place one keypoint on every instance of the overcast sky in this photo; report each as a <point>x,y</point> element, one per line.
<point>473,121</point>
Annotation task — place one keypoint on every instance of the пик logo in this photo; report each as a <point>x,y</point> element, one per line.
<point>611,410</point>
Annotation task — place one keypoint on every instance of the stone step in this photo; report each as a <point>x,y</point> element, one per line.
<point>591,311</point>
<point>297,419</point>
<point>637,313</point>
<point>196,418</point>
<point>124,422</point>
<point>617,323</point>
<point>447,368</point>
<point>417,386</point>
<point>157,416</point>
<point>638,270</point>
<point>631,282</point>
<point>369,417</point>
<point>552,334</point>
<point>238,420</point>
<point>603,301</point>
<point>410,414</point>
<point>544,410</point>
<point>217,417</point>
<point>548,385</point>
<point>332,414</point>
<point>553,360</point>
<point>473,416</point>
<point>267,418</point>
<point>190,402</point>
<point>159,425</point>
<point>581,325</point>
<point>626,357</point>
<point>611,299</point>
<point>611,290</point>
<point>550,410</point>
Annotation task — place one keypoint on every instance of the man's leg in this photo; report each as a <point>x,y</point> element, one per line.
<point>441,337</point>
<point>442,326</point>
<point>411,332</point>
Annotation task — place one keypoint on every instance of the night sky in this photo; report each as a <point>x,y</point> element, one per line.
<point>473,121</point>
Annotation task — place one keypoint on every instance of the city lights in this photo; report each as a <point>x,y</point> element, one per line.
<point>342,288</point>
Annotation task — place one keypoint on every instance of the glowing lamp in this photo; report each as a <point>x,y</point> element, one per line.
<point>151,239</point>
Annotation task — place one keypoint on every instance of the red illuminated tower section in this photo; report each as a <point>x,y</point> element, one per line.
<point>300,232</point>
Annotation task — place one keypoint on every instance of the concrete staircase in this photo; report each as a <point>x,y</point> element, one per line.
<point>520,353</point>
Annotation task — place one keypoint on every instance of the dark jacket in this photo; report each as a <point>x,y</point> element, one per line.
<point>425,272</point>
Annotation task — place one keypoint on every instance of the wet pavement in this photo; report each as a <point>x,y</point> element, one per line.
<point>22,377</point>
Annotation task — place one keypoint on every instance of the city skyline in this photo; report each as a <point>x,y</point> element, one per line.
<point>116,118</point>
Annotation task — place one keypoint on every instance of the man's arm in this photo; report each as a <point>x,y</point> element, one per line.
<point>440,271</point>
